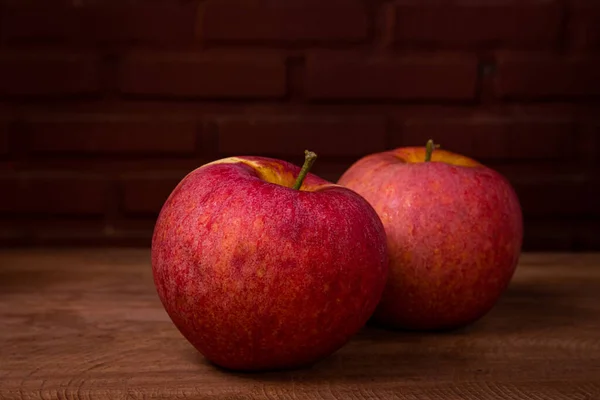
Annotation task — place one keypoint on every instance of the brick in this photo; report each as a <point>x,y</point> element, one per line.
<point>591,134</point>
<point>559,190</point>
<point>583,28</point>
<point>587,145</point>
<point>544,140</point>
<point>145,195</point>
<point>521,76</point>
<point>3,138</point>
<point>203,76</point>
<point>460,23</point>
<point>111,164</point>
<point>492,137</point>
<point>279,22</point>
<point>558,199</point>
<point>586,235</point>
<point>52,231</point>
<point>591,197</point>
<point>112,135</point>
<point>291,135</point>
<point>402,78</point>
<point>549,234</point>
<point>24,74</point>
<point>99,23</point>
<point>53,194</point>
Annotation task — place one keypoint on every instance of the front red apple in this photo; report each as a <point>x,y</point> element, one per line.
<point>258,275</point>
<point>454,232</point>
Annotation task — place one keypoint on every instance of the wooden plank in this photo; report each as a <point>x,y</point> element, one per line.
<point>87,324</point>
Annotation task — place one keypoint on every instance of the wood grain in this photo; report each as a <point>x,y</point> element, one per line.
<point>87,324</point>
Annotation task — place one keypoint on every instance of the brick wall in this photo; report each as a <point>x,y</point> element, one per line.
<point>106,104</point>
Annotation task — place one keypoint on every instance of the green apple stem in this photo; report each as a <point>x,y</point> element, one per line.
<point>309,160</point>
<point>429,149</point>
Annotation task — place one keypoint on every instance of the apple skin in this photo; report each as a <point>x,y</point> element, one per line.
<point>454,229</point>
<point>259,276</point>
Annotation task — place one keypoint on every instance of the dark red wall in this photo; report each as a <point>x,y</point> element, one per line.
<point>105,105</point>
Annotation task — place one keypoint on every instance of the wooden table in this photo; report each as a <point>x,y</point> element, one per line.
<point>87,324</point>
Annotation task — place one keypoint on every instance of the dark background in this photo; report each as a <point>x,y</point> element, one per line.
<point>106,105</point>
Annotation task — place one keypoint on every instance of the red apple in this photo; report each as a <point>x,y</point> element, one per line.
<point>259,275</point>
<point>454,229</point>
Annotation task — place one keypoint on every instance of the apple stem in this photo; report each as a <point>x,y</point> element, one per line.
<point>429,149</point>
<point>309,160</point>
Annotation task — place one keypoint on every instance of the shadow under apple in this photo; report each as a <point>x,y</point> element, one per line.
<point>524,320</point>
<point>371,353</point>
